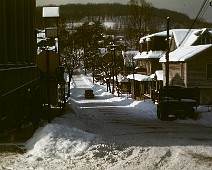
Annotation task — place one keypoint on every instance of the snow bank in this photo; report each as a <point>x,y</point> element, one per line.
<point>206,119</point>
<point>57,140</point>
<point>128,137</point>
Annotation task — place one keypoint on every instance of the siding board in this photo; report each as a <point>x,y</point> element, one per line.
<point>197,70</point>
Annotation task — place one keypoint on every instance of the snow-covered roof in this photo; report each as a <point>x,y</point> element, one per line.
<point>187,37</point>
<point>139,77</point>
<point>163,33</point>
<point>179,35</point>
<point>124,80</point>
<point>159,74</point>
<point>41,36</point>
<point>183,37</point>
<point>150,54</point>
<point>184,53</point>
<point>131,52</point>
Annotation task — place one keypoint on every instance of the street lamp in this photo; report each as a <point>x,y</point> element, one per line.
<point>51,32</point>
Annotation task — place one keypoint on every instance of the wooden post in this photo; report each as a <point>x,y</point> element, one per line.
<point>167,54</point>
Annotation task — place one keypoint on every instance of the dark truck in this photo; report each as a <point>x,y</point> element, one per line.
<point>177,101</point>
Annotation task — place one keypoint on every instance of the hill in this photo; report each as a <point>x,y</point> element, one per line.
<point>78,12</point>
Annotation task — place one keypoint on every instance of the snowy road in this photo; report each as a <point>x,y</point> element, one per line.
<point>113,116</point>
<point>110,132</point>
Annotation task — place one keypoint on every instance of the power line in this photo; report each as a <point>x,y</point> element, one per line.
<point>201,12</point>
<point>204,10</point>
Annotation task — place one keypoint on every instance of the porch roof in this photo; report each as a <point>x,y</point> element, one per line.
<point>150,54</point>
<point>139,77</point>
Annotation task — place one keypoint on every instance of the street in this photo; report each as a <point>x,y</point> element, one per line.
<point>110,132</point>
<point>102,115</point>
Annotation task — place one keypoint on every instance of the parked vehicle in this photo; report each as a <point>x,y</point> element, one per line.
<point>89,94</point>
<point>177,101</point>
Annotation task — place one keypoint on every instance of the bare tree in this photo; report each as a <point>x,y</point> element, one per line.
<point>139,21</point>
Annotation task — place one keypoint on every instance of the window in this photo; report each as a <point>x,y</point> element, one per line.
<point>206,40</point>
<point>209,71</point>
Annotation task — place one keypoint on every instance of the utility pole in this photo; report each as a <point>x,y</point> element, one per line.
<point>113,71</point>
<point>167,53</point>
<point>113,48</point>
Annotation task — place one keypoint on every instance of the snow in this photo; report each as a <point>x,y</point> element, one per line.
<point>139,77</point>
<point>109,25</point>
<point>184,53</point>
<point>131,52</point>
<point>159,74</point>
<point>160,34</point>
<point>66,141</point>
<point>185,37</point>
<point>110,132</point>
<point>179,35</point>
<point>150,54</point>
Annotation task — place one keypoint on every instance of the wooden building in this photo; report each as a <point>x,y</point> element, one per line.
<point>190,62</point>
<point>18,70</point>
<point>152,48</point>
<point>17,43</point>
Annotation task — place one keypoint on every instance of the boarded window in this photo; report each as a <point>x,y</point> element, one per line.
<point>209,71</point>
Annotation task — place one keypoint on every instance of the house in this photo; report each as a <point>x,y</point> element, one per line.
<point>190,61</point>
<point>138,84</point>
<point>152,48</point>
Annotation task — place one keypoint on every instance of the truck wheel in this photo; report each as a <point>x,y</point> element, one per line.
<point>163,116</point>
<point>162,113</point>
<point>192,114</point>
<point>158,112</point>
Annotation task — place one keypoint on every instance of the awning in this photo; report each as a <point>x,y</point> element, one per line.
<point>139,77</point>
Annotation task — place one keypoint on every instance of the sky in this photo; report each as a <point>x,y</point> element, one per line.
<point>189,7</point>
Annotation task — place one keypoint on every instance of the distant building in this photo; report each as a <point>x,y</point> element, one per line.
<point>152,48</point>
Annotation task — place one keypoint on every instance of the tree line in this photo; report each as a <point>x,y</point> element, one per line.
<point>136,19</point>
<point>76,12</point>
